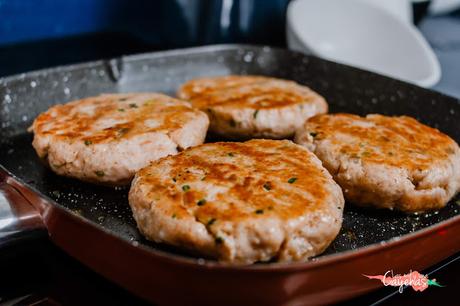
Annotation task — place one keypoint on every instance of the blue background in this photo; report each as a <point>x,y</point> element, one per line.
<point>167,22</point>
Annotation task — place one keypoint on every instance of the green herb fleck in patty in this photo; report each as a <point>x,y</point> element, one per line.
<point>122,131</point>
<point>201,202</point>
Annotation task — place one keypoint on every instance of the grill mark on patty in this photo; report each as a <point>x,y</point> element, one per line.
<point>199,87</point>
<point>244,191</point>
<point>260,95</point>
<point>68,122</point>
<point>397,145</point>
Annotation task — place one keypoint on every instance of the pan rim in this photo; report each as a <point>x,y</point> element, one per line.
<point>197,50</point>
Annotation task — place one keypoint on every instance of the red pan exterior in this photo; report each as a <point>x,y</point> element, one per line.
<point>172,280</point>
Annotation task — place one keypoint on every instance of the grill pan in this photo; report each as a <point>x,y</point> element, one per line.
<point>94,223</point>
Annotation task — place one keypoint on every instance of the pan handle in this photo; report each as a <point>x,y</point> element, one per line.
<point>19,220</point>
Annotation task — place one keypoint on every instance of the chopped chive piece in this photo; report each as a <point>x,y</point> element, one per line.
<point>366,153</point>
<point>211,221</point>
<point>354,155</point>
<point>267,186</point>
<point>173,216</point>
<point>231,154</point>
<point>313,134</point>
<point>99,173</point>
<point>122,131</point>
<point>259,211</point>
<point>133,105</point>
<point>203,178</point>
<point>186,188</point>
<point>255,114</point>
<point>121,110</point>
<point>219,240</point>
<point>88,142</point>
<point>201,202</point>
<point>292,180</point>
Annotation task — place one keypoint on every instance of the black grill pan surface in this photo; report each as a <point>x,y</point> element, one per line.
<point>346,89</point>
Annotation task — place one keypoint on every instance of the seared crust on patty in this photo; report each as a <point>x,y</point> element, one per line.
<point>107,138</point>
<point>385,162</point>
<point>239,202</point>
<point>204,86</point>
<point>242,107</point>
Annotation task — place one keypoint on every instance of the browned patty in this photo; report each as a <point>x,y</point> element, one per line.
<point>253,106</point>
<point>381,161</point>
<point>107,138</point>
<point>239,202</point>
